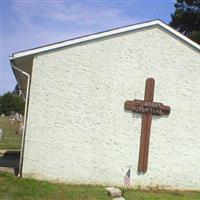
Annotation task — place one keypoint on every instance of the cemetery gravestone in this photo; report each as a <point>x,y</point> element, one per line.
<point>1,133</point>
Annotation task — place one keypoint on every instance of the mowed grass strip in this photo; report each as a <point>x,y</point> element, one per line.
<point>10,139</point>
<point>160,195</point>
<point>13,188</point>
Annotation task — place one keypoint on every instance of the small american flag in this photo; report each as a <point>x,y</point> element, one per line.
<point>127,180</point>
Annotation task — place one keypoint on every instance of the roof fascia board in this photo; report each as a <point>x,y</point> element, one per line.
<point>104,34</point>
<point>82,39</point>
<point>183,37</point>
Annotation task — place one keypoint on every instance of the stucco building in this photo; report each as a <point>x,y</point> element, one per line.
<point>77,129</point>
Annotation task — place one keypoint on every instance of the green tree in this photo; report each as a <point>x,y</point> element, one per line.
<point>186,18</point>
<point>1,105</point>
<point>11,102</point>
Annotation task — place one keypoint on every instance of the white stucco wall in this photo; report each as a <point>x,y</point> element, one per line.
<point>78,130</point>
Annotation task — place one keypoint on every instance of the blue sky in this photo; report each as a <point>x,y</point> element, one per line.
<point>31,23</point>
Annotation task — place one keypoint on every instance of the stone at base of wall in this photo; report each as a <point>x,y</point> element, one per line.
<point>115,193</point>
<point>119,198</point>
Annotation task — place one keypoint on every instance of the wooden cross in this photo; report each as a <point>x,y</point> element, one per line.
<point>147,108</point>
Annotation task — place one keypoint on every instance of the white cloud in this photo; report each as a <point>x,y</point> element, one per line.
<point>46,22</point>
<point>76,13</point>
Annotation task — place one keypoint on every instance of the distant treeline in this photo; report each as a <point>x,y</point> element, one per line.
<point>11,102</point>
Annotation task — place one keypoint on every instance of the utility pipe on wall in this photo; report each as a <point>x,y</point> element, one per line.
<point>25,115</point>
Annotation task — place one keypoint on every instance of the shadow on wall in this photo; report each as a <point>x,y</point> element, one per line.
<point>9,160</point>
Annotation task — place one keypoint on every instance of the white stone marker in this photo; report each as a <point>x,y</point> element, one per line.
<point>119,198</point>
<point>114,192</point>
<point>17,117</point>
<point>1,133</point>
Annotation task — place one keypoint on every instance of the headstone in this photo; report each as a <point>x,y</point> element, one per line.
<point>12,113</point>
<point>1,133</point>
<point>2,115</point>
<point>21,126</point>
<point>21,118</point>
<point>11,120</point>
<point>12,117</point>
<point>17,117</point>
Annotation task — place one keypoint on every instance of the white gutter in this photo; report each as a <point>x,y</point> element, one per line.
<point>25,116</point>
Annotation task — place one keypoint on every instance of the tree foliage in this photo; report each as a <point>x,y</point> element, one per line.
<point>186,18</point>
<point>11,102</point>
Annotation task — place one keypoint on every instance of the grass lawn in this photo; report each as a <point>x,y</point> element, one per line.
<point>161,195</point>
<point>10,139</point>
<point>13,188</point>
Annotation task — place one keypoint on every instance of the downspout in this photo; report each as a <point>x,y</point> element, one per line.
<point>25,116</point>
